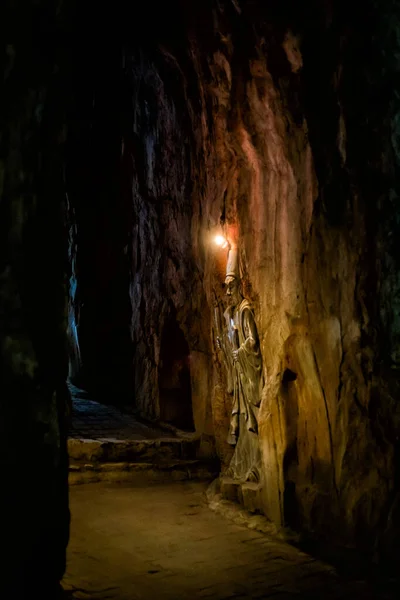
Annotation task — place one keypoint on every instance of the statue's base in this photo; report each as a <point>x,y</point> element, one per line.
<point>248,494</point>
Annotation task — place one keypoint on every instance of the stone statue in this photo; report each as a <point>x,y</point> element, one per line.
<point>241,349</point>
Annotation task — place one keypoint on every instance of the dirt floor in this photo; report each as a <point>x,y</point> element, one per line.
<point>162,541</point>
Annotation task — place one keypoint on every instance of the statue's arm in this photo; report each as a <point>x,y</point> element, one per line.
<point>249,358</point>
<point>226,350</point>
<point>251,342</point>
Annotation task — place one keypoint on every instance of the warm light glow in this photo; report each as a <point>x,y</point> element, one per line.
<point>221,241</point>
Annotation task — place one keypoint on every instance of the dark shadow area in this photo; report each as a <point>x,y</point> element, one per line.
<point>98,186</point>
<point>354,563</point>
<point>174,378</point>
<point>291,509</point>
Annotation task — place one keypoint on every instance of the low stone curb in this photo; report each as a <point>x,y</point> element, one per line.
<point>124,472</point>
<point>110,450</point>
<point>240,516</point>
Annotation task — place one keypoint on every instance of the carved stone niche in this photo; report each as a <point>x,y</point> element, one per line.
<point>238,341</point>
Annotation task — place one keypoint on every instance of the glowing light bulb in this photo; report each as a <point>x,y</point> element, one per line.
<point>221,241</point>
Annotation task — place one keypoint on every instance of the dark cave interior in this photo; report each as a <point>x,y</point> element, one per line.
<point>129,137</point>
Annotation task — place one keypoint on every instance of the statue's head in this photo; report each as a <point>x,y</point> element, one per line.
<point>233,290</point>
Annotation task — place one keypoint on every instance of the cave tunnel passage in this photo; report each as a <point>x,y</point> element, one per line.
<point>99,408</point>
<point>175,394</point>
<point>97,414</point>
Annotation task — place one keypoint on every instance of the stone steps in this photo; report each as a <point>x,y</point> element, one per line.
<point>141,472</point>
<point>109,450</point>
<point>127,461</point>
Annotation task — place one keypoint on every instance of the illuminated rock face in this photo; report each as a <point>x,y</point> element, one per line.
<point>263,130</point>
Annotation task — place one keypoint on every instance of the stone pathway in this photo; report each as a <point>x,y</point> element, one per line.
<point>159,542</point>
<point>106,444</point>
<point>91,420</point>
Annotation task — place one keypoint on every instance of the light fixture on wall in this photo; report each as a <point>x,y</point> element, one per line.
<point>221,241</point>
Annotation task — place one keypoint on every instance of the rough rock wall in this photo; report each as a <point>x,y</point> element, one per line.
<point>303,167</point>
<point>33,263</point>
<point>166,281</point>
<point>293,149</point>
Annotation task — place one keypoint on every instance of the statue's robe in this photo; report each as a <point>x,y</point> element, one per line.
<point>247,382</point>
